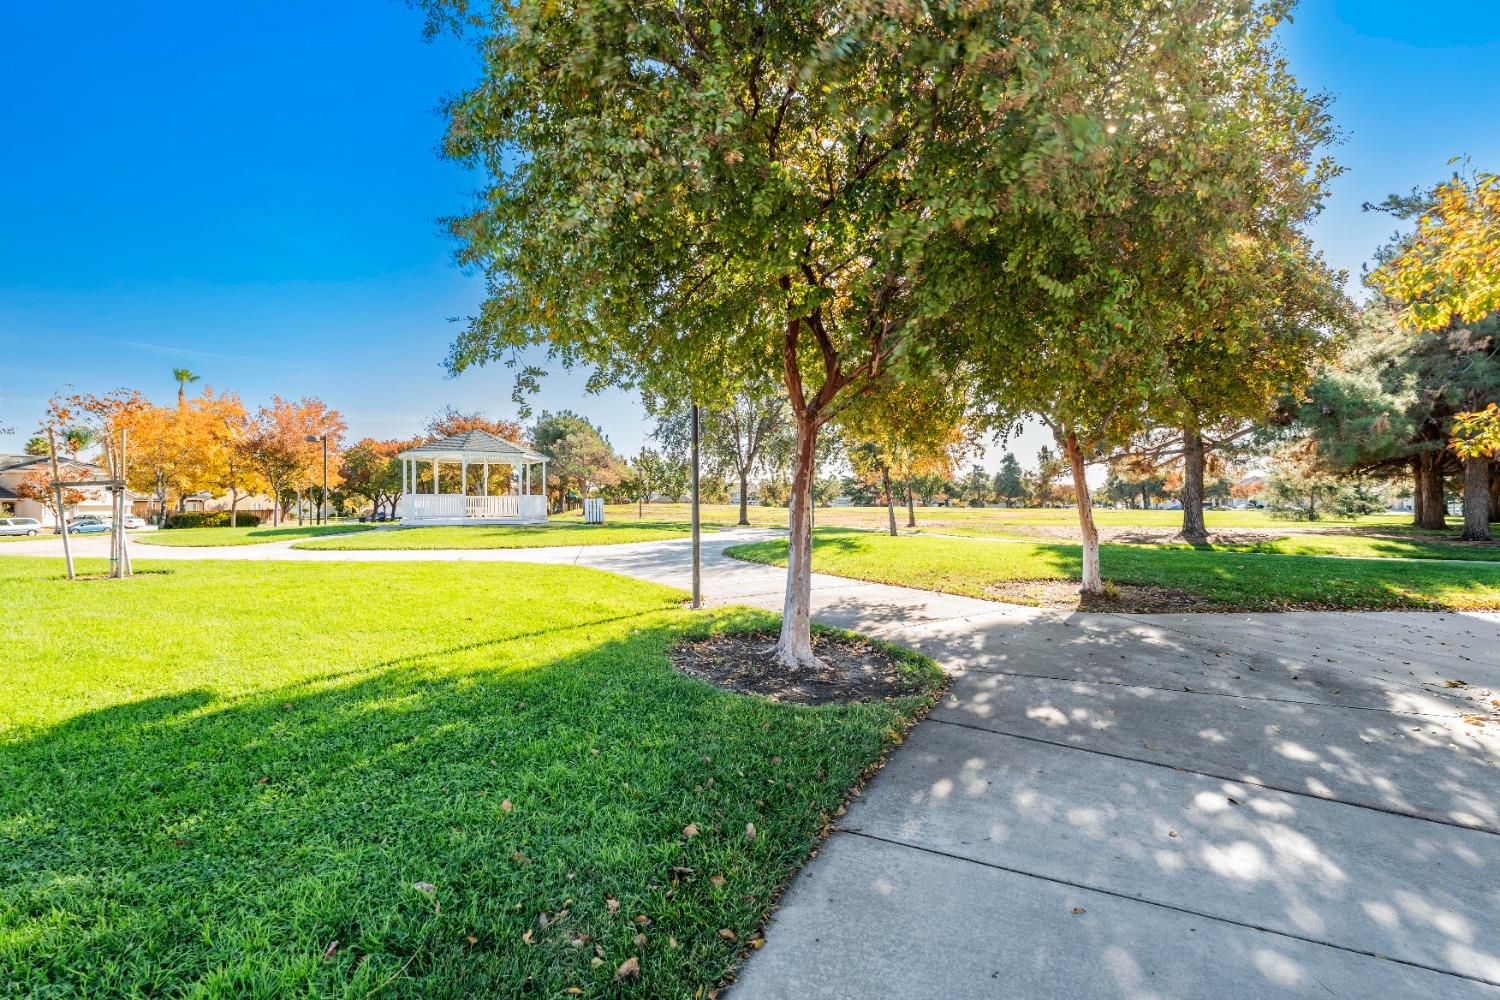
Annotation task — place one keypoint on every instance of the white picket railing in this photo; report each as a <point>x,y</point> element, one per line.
<point>453,507</point>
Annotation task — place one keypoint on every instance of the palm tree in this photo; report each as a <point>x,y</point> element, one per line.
<point>76,439</point>
<point>183,377</point>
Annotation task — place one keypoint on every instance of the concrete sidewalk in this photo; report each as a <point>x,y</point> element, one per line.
<point>1142,806</point>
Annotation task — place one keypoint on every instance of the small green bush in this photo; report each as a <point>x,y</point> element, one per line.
<point>210,519</point>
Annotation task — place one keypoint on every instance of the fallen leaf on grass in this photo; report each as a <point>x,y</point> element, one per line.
<point>506,806</point>
<point>726,934</point>
<point>690,831</point>
<point>718,880</point>
<point>629,969</point>
<point>612,904</point>
<point>331,950</point>
<point>520,858</point>
<point>528,937</point>
<point>750,831</point>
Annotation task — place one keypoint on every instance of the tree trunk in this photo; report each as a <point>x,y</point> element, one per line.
<point>890,501</point>
<point>234,502</point>
<point>1494,491</point>
<point>1092,581</point>
<point>1193,528</point>
<point>745,497</point>
<point>794,648</point>
<point>1418,490</point>
<point>1145,499</point>
<point>911,507</point>
<point>1433,508</point>
<point>1477,500</point>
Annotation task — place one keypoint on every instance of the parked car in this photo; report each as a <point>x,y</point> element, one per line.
<point>20,526</point>
<point>132,522</point>
<point>88,524</point>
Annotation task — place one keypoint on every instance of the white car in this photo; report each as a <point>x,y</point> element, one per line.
<point>133,522</point>
<point>20,526</point>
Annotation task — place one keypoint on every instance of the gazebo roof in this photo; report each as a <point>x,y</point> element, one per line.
<point>474,446</point>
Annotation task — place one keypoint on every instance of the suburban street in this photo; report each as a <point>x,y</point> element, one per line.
<point>1191,805</point>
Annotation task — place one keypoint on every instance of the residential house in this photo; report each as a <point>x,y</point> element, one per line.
<point>15,468</point>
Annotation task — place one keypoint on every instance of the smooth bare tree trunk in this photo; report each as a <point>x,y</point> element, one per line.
<point>1433,508</point>
<point>1193,527</point>
<point>1092,580</point>
<point>794,647</point>
<point>234,503</point>
<point>1477,500</point>
<point>911,508</point>
<point>890,501</point>
<point>744,497</point>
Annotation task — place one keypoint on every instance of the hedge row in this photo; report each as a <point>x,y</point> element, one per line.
<point>210,519</point>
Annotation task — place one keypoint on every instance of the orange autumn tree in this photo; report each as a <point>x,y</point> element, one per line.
<point>1449,269</point>
<point>37,485</point>
<point>276,445</point>
<point>451,420</point>
<point>370,469</point>
<point>219,436</point>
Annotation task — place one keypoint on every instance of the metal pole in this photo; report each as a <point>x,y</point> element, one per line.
<point>324,519</point>
<point>697,569</point>
<point>125,568</point>
<point>62,513</point>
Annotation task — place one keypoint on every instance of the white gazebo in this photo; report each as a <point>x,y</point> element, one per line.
<point>489,481</point>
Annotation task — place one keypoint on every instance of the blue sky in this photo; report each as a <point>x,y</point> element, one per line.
<point>251,190</point>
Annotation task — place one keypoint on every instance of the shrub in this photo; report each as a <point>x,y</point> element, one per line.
<point>209,519</point>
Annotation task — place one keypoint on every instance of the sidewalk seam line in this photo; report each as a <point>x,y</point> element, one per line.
<point>1217,777</point>
<point>1458,714</point>
<point>1169,906</point>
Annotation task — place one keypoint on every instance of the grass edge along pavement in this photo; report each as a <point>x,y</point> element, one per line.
<point>501,536</point>
<point>244,535</point>
<point>1220,581</point>
<point>209,811</point>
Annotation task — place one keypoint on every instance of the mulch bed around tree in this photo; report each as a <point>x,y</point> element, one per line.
<point>1127,597</point>
<point>854,670</point>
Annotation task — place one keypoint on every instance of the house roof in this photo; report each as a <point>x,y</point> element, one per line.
<point>6,494</point>
<point>24,463</point>
<point>469,445</point>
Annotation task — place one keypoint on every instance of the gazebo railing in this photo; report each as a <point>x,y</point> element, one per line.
<point>452,506</point>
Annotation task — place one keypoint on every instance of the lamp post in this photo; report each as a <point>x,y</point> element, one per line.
<point>322,499</point>
<point>697,572</point>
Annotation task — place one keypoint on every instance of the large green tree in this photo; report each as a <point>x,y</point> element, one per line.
<point>748,431</point>
<point>578,451</point>
<point>1192,136</point>
<point>1269,310</point>
<point>661,171</point>
<point>1445,278</point>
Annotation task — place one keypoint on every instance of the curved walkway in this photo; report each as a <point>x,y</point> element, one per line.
<point>1145,806</point>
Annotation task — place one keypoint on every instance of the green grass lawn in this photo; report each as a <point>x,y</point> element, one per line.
<point>1362,546</point>
<point>217,770</point>
<point>982,520</point>
<point>506,536</point>
<point>1222,579</point>
<point>216,537</point>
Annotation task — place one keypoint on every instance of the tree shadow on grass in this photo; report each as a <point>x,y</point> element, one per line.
<point>183,843</point>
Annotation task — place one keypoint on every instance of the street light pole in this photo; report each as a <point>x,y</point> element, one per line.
<point>697,573</point>
<point>322,500</point>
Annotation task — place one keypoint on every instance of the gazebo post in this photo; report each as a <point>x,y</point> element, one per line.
<point>435,490</point>
<point>484,483</point>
